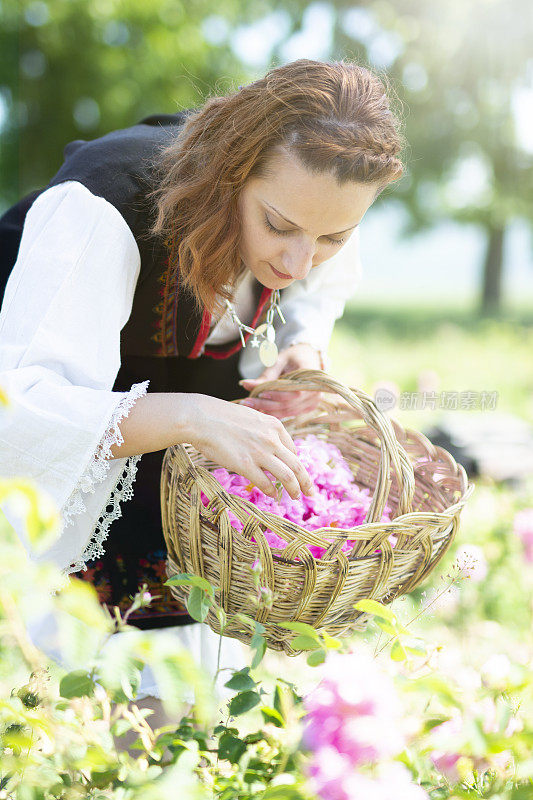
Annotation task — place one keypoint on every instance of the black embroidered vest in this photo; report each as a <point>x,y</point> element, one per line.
<point>164,320</point>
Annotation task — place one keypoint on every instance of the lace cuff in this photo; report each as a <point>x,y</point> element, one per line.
<point>95,473</point>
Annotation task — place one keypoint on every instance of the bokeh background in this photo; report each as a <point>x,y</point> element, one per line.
<point>446,302</point>
<point>445,307</point>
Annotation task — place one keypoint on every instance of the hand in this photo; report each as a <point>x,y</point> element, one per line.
<point>246,442</point>
<point>286,404</point>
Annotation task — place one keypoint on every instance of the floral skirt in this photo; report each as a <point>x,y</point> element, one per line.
<point>116,586</point>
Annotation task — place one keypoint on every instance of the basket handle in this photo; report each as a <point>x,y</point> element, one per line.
<point>391,450</point>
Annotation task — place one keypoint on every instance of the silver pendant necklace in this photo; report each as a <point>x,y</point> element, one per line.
<point>268,351</point>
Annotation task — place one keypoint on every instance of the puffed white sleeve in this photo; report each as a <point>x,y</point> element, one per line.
<point>312,305</point>
<point>68,296</point>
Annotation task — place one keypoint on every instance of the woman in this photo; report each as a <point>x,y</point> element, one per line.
<point>123,266</point>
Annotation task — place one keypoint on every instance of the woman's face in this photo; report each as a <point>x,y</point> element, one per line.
<point>294,220</point>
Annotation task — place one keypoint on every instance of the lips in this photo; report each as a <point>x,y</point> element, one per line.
<point>280,274</point>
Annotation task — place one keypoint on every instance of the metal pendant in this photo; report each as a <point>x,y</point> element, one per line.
<point>268,353</point>
<point>261,329</point>
<point>270,333</point>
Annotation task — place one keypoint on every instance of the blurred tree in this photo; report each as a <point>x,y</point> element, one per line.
<point>76,69</point>
<point>465,70</point>
<point>79,68</point>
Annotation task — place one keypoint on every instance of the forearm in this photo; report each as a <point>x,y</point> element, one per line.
<point>156,421</point>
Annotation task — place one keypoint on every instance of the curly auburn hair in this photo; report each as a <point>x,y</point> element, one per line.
<point>333,116</point>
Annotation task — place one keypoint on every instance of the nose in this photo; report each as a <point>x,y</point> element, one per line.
<point>298,261</point>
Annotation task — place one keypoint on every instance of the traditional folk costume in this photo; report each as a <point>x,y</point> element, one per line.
<point>90,319</point>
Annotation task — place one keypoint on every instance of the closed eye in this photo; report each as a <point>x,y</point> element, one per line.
<point>286,233</point>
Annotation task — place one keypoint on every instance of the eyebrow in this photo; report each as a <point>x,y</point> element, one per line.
<point>297,226</point>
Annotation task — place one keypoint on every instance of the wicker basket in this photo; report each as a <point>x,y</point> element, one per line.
<point>426,490</point>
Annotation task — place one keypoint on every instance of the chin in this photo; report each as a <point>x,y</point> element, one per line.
<point>266,277</point>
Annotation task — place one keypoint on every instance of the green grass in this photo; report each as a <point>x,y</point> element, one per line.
<point>401,344</point>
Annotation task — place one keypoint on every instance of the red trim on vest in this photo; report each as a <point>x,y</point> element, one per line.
<point>265,294</point>
<point>202,335</point>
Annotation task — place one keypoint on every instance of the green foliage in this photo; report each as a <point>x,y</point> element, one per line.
<point>455,67</point>
<point>241,681</point>
<point>76,684</point>
<point>242,702</point>
<point>310,639</point>
<point>400,343</point>
<point>197,604</point>
<point>60,727</point>
<point>387,621</point>
<point>137,59</point>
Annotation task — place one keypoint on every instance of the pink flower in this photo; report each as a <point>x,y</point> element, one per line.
<point>446,739</point>
<point>331,777</point>
<point>450,742</point>
<point>328,774</point>
<point>337,503</point>
<point>354,710</point>
<point>523,528</point>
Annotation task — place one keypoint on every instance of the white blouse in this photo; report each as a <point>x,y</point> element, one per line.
<point>67,298</point>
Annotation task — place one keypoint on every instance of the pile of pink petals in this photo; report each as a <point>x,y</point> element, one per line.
<point>337,503</point>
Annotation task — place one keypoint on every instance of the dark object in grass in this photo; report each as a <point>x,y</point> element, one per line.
<point>440,436</point>
<point>495,445</point>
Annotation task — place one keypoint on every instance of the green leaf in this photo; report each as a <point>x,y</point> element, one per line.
<point>432,684</point>
<point>375,608</point>
<point>38,509</point>
<point>246,620</point>
<point>305,643</point>
<point>241,681</point>
<point>253,738</point>
<point>393,630</point>
<point>416,647</point>
<point>316,657</point>
<point>76,684</point>
<point>242,702</point>
<point>280,698</point>
<point>102,779</point>
<point>386,627</point>
<point>329,642</point>
<point>271,715</point>
<point>198,604</point>
<point>191,580</point>
<point>120,727</point>
<point>130,682</point>
<point>433,722</point>
<point>301,627</point>
<point>259,646</point>
<point>231,748</point>
<point>222,617</point>
<point>397,652</point>
<point>282,792</point>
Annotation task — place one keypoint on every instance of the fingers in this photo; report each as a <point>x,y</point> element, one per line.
<point>259,479</point>
<point>279,456</point>
<point>286,440</point>
<point>294,478</point>
<point>303,477</point>
<point>284,409</point>
<point>283,397</point>
<point>268,375</point>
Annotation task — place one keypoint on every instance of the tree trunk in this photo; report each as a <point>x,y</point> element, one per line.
<point>491,295</point>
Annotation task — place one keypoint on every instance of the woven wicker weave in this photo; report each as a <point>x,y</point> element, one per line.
<point>423,485</point>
